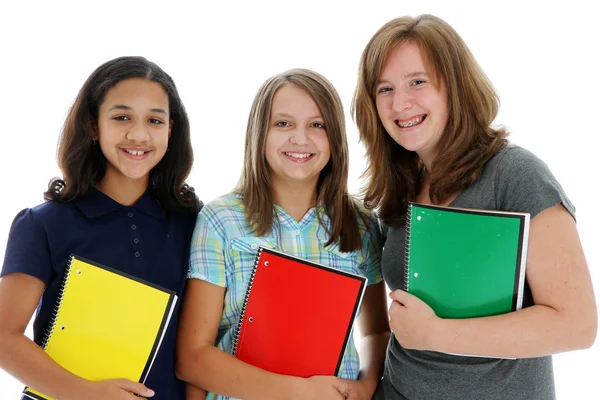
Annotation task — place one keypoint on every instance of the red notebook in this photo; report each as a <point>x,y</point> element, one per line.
<point>297,315</point>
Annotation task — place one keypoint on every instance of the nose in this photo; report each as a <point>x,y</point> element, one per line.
<point>138,132</point>
<point>402,101</point>
<point>299,136</point>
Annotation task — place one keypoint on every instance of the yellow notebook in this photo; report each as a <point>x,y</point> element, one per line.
<point>107,324</point>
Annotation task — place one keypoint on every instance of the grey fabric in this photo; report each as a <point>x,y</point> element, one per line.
<point>513,180</point>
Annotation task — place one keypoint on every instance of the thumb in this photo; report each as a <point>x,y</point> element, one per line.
<point>401,296</point>
<point>341,386</point>
<point>135,387</point>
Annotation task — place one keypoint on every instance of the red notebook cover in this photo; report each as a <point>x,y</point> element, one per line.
<point>297,315</point>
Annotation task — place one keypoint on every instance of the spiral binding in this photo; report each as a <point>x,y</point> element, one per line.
<point>238,328</point>
<point>407,248</point>
<point>58,304</point>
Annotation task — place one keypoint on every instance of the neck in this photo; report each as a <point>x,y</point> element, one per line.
<point>122,189</point>
<point>295,198</point>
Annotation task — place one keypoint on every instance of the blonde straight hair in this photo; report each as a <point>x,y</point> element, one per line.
<point>332,187</point>
<point>393,173</point>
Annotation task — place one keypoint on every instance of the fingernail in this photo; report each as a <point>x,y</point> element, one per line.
<point>150,392</point>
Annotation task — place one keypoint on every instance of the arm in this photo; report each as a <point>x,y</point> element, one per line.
<point>375,333</point>
<point>563,318</point>
<point>27,362</point>
<point>194,393</point>
<point>203,365</point>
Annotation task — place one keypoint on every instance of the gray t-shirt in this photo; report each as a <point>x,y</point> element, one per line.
<point>512,180</point>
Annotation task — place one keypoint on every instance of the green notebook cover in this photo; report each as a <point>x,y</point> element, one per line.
<point>466,263</point>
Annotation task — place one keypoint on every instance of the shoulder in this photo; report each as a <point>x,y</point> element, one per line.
<point>223,206</point>
<point>523,182</point>
<point>514,157</point>
<point>369,225</point>
<point>224,214</point>
<point>46,214</point>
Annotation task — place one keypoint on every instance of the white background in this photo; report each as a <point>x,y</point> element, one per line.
<point>541,57</point>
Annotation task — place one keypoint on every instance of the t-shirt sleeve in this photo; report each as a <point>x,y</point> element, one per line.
<point>372,247</point>
<point>27,249</point>
<point>524,183</point>
<point>207,258</point>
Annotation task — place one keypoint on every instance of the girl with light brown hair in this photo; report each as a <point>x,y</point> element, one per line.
<point>292,196</point>
<point>424,109</point>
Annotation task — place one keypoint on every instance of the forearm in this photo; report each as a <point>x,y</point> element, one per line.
<point>215,371</point>
<point>28,363</point>
<point>372,355</point>
<point>532,332</point>
<point>194,393</point>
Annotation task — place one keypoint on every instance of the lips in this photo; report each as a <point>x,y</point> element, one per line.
<point>298,157</point>
<point>415,121</point>
<point>135,154</point>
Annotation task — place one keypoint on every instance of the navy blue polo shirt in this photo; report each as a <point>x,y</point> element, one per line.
<point>143,240</point>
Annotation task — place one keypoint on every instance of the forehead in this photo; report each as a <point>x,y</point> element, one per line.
<point>405,58</point>
<point>291,99</point>
<point>137,92</point>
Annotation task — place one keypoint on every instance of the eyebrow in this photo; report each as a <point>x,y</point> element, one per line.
<point>286,115</point>
<point>407,76</point>
<point>415,74</point>
<point>127,108</point>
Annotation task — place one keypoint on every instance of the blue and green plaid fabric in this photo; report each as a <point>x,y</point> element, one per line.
<point>223,251</point>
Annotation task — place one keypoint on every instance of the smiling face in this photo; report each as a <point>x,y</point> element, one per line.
<point>412,107</point>
<point>297,147</point>
<point>133,129</point>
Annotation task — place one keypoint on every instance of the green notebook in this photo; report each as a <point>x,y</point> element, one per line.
<point>466,263</point>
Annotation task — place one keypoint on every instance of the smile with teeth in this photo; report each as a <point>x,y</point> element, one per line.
<point>413,122</point>
<point>134,152</point>
<point>298,156</point>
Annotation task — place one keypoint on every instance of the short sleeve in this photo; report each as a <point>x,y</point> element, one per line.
<point>207,258</point>
<point>372,247</point>
<point>524,183</point>
<point>27,249</point>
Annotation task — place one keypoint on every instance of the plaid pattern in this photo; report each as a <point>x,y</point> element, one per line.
<point>223,251</point>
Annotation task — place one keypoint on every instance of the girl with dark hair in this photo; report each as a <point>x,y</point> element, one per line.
<point>124,154</point>
<point>292,196</point>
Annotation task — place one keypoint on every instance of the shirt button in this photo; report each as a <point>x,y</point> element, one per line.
<point>297,232</point>
<point>130,214</point>
<point>254,246</point>
<point>133,227</point>
<point>137,254</point>
<point>136,240</point>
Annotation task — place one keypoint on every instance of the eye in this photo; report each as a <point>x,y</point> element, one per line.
<point>282,124</point>
<point>155,121</point>
<point>384,89</point>
<point>121,118</point>
<point>318,125</point>
<point>417,82</point>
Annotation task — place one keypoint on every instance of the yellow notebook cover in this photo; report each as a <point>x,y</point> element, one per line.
<point>107,324</point>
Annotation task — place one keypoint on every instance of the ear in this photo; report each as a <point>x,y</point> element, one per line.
<point>171,123</point>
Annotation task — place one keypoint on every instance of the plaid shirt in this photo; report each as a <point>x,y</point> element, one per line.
<point>223,251</point>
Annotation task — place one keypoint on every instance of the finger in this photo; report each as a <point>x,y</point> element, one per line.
<point>401,296</point>
<point>341,387</point>
<point>395,309</point>
<point>135,387</point>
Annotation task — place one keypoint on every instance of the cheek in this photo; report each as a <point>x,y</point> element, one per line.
<point>383,105</point>
<point>323,145</point>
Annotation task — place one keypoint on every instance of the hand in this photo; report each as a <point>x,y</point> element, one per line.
<point>321,387</point>
<point>358,390</point>
<point>412,321</point>
<point>116,389</point>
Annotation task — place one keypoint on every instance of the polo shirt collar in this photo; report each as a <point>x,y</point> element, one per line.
<point>97,204</point>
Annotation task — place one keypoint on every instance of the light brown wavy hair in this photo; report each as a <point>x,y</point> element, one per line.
<point>394,174</point>
<point>332,186</point>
